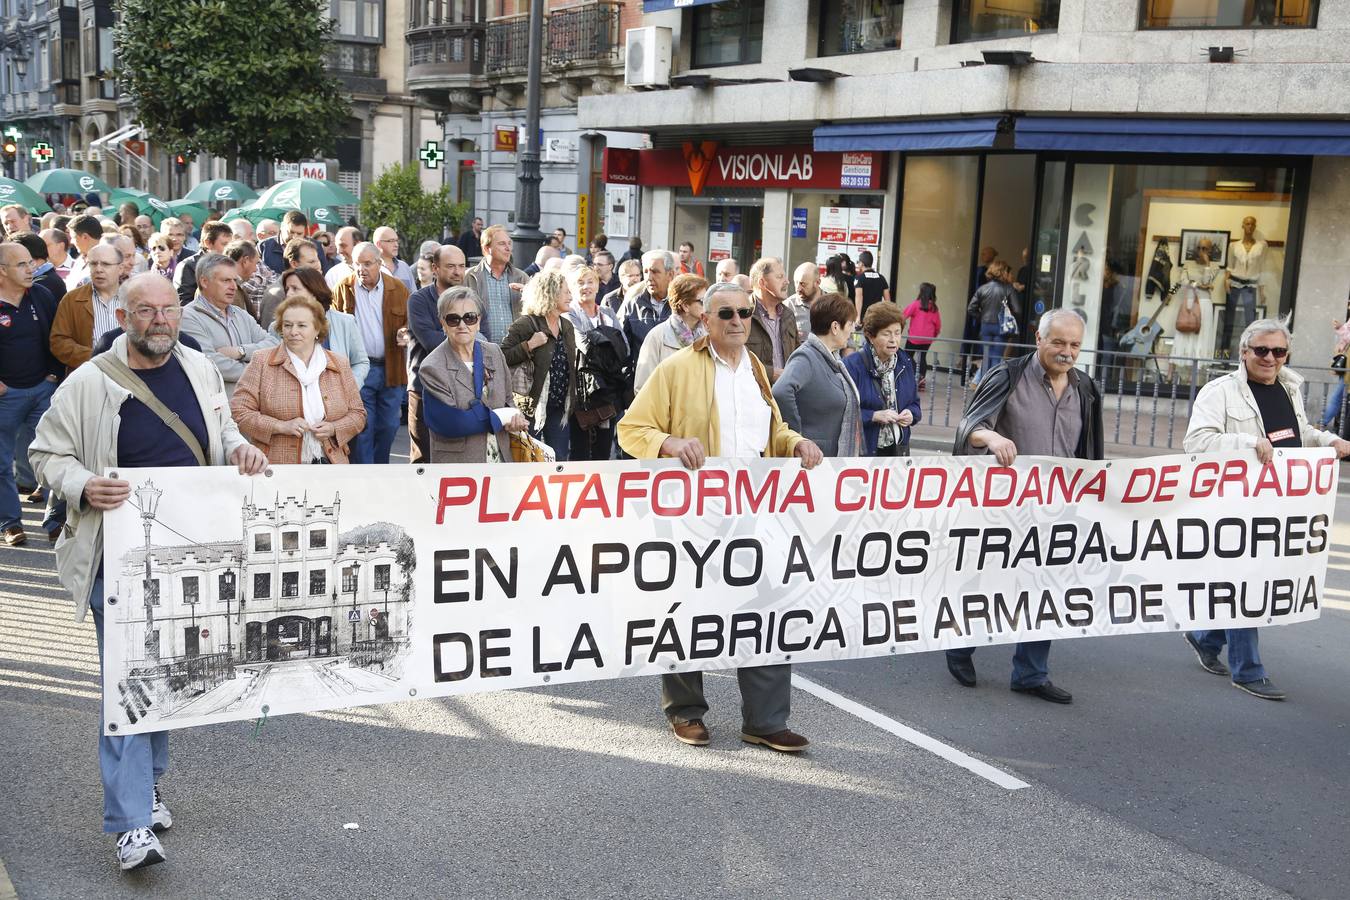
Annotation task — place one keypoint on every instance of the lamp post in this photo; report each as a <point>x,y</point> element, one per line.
<point>527,238</point>
<point>228,582</point>
<point>356,584</point>
<point>147,495</point>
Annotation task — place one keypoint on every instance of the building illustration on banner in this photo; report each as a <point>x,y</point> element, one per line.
<point>289,606</point>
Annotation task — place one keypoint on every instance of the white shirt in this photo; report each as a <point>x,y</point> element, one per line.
<point>104,318</point>
<point>370,317</point>
<point>743,417</point>
<point>337,273</point>
<point>1244,263</point>
<point>79,274</point>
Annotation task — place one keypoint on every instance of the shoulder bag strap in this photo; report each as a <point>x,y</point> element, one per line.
<point>122,374</point>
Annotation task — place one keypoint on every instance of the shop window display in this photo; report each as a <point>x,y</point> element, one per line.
<point>1228,14</point>
<point>982,20</point>
<point>859,26</point>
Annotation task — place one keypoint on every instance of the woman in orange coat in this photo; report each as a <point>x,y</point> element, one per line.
<point>299,403</point>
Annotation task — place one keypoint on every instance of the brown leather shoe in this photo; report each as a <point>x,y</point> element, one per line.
<point>694,733</point>
<point>35,496</point>
<point>785,741</point>
<point>14,535</point>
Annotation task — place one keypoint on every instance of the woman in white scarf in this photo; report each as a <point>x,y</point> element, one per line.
<point>299,403</point>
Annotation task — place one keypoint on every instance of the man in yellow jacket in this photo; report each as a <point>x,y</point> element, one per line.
<point>713,398</point>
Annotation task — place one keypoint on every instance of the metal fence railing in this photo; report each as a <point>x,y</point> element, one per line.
<point>1146,400</point>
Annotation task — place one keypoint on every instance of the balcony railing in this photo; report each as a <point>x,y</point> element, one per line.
<point>354,59</point>
<point>446,50</point>
<point>584,35</point>
<point>508,45</point>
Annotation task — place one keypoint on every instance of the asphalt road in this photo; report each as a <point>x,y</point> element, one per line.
<point>1159,781</point>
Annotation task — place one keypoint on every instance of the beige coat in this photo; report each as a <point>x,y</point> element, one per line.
<point>1225,415</point>
<point>445,377</point>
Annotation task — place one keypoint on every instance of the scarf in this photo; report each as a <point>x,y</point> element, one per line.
<point>684,335</point>
<point>889,434</point>
<point>311,399</point>
<point>850,429</point>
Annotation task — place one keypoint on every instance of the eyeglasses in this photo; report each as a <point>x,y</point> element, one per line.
<point>1263,352</point>
<point>726,313</point>
<point>148,313</point>
<point>453,319</point>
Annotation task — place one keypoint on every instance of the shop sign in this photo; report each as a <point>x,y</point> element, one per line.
<point>719,246</point>
<point>706,164</point>
<point>317,170</point>
<point>833,224</point>
<point>864,226</point>
<point>799,221</point>
<point>716,219</point>
<point>505,139</point>
<point>583,217</point>
<point>734,220</point>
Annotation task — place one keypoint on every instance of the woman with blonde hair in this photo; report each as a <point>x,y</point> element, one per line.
<point>299,403</point>
<point>604,383</point>
<point>541,349</point>
<point>681,328</point>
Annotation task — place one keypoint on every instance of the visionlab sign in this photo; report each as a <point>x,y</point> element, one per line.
<point>707,165</point>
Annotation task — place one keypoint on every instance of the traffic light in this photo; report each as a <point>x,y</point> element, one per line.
<point>11,149</point>
<point>180,163</point>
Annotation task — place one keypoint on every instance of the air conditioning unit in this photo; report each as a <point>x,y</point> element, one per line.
<point>647,57</point>
<point>94,156</point>
<point>77,156</point>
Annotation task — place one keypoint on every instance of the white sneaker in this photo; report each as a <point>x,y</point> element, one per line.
<point>138,848</point>
<point>161,819</point>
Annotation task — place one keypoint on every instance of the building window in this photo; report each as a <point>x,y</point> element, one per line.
<point>262,543</point>
<point>152,591</point>
<point>1228,14</point>
<point>382,578</point>
<point>227,586</point>
<point>191,590</point>
<point>859,26</point>
<point>361,20</point>
<point>290,540</point>
<point>728,33</point>
<point>318,539</point>
<point>262,586</point>
<point>982,20</point>
<point>290,584</point>
<point>318,582</point>
<point>349,580</point>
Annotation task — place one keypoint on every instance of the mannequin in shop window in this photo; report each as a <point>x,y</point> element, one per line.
<point>1199,280</point>
<point>1246,258</point>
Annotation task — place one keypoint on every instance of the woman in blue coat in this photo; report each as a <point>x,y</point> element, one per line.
<point>885,378</point>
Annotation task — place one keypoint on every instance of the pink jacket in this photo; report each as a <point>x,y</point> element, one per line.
<point>923,326</point>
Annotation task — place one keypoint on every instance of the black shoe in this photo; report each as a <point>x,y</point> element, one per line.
<point>963,670</point>
<point>1047,691</point>
<point>1210,662</point>
<point>1265,689</point>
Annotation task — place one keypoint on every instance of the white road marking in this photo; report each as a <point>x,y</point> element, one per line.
<point>905,733</point>
<point>1336,604</point>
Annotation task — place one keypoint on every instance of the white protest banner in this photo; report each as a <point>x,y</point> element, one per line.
<point>328,586</point>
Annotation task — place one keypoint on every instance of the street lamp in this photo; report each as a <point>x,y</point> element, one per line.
<point>227,582</point>
<point>147,495</point>
<point>356,584</point>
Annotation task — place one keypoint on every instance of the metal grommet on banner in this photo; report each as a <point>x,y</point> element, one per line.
<point>1192,459</point>
<point>787,658</point>
<point>111,601</point>
<point>268,473</point>
<point>990,639</point>
<point>112,474</point>
<point>112,726</point>
<point>892,648</point>
<point>546,679</point>
<point>1084,631</point>
<point>412,692</point>
<point>421,471</point>
<point>557,468</point>
<point>672,667</point>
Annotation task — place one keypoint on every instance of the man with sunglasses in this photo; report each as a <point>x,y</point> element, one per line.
<point>1259,407</point>
<point>671,418</point>
<point>424,334</point>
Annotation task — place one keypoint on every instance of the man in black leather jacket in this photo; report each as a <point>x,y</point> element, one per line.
<point>1040,405</point>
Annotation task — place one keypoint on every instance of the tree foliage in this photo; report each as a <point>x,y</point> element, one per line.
<point>233,78</point>
<point>397,199</point>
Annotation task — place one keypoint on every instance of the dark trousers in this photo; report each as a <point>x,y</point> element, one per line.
<point>766,698</point>
<point>591,444</point>
<point>1031,662</point>
<point>918,355</point>
<point>893,450</point>
<point>419,439</point>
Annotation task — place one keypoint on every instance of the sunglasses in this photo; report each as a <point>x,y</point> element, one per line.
<point>453,319</point>
<point>1263,352</point>
<point>726,313</point>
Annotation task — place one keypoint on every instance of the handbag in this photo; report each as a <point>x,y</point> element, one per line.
<point>525,449</point>
<point>1007,322</point>
<point>1188,315</point>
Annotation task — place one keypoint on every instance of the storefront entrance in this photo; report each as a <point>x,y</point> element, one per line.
<point>725,225</point>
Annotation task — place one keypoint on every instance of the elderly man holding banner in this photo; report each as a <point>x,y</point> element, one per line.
<point>1258,407</point>
<point>1037,405</point>
<point>672,417</point>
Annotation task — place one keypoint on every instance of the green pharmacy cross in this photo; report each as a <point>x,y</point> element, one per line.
<point>42,152</point>
<point>14,134</point>
<point>431,154</point>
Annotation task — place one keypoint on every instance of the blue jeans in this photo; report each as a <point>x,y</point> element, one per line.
<point>1244,656</point>
<point>383,407</point>
<point>23,469</point>
<point>130,765</point>
<point>557,433</point>
<point>1334,402</point>
<point>1031,662</point>
<point>1240,296</point>
<point>19,407</point>
<point>991,347</point>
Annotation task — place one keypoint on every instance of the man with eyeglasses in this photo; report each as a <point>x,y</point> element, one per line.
<point>671,418</point>
<point>88,311</point>
<point>424,334</point>
<point>1259,407</point>
<point>95,424</point>
<point>386,241</point>
<point>28,372</point>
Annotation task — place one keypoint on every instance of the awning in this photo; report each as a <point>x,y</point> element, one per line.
<point>911,134</point>
<point>651,6</point>
<point>1273,137</point>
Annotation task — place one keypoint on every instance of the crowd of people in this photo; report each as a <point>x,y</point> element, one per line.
<point>122,345</point>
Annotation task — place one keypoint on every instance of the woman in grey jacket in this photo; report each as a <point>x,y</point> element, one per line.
<point>815,395</point>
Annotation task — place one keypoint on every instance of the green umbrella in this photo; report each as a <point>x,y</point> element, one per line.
<point>255,212</point>
<point>67,181</point>
<point>188,207</point>
<point>149,205</point>
<point>221,189</point>
<point>12,191</point>
<point>306,194</point>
